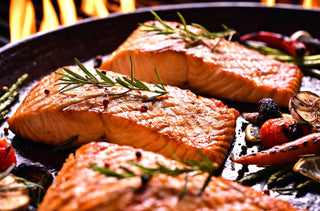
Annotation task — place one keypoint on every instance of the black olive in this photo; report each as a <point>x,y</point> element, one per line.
<point>268,109</point>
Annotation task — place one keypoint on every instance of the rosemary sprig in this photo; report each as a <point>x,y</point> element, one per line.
<point>7,172</point>
<point>72,80</point>
<point>27,184</point>
<point>67,145</point>
<point>190,37</point>
<point>205,166</point>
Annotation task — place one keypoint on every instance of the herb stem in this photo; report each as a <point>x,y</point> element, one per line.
<point>191,166</point>
<point>189,37</point>
<point>72,80</point>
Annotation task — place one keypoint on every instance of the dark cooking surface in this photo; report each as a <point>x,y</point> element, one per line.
<point>42,54</point>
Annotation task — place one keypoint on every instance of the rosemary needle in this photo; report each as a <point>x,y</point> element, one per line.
<point>205,166</point>
<point>71,80</point>
<point>190,37</point>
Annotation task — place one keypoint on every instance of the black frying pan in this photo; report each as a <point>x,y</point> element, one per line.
<point>44,52</point>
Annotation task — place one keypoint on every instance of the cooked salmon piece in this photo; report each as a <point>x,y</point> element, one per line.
<point>179,121</point>
<point>216,68</point>
<point>79,187</point>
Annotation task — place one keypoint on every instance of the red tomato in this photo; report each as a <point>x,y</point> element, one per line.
<point>7,155</point>
<point>281,130</point>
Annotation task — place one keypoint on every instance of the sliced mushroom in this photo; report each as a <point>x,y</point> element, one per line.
<point>305,106</point>
<point>13,199</point>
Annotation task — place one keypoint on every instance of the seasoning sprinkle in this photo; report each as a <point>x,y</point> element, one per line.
<point>105,103</point>
<point>266,191</point>
<point>145,178</point>
<point>6,131</point>
<point>97,61</point>
<point>138,154</point>
<point>144,108</point>
<point>106,164</point>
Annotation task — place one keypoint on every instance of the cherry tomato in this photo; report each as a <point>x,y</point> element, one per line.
<point>281,130</point>
<point>7,155</point>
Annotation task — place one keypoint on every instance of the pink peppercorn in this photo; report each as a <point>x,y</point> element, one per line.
<point>144,108</point>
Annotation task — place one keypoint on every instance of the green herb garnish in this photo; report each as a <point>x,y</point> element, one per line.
<point>27,183</point>
<point>205,166</point>
<point>72,80</point>
<point>10,96</point>
<point>190,37</point>
<point>308,64</point>
<point>67,145</point>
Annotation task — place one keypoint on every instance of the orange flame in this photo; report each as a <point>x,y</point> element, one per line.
<point>68,13</point>
<point>127,5</point>
<point>22,20</point>
<point>50,19</point>
<point>307,4</point>
<point>95,8</point>
<point>269,3</point>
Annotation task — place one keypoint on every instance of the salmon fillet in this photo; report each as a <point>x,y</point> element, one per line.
<point>178,120</point>
<point>78,187</point>
<point>230,71</point>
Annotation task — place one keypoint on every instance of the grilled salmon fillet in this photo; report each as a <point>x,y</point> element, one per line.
<point>79,187</point>
<point>179,120</point>
<point>216,68</point>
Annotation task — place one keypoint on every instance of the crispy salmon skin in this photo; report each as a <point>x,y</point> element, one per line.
<point>215,67</point>
<point>79,187</point>
<point>179,120</point>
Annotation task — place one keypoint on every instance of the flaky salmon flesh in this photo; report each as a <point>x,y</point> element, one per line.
<point>79,187</point>
<point>216,67</point>
<point>179,121</point>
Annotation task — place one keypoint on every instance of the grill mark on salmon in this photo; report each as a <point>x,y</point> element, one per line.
<point>179,120</point>
<point>230,72</point>
<point>77,187</point>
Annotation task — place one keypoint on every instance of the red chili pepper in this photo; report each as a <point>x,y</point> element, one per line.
<point>281,130</point>
<point>7,155</point>
<point>278,41</point>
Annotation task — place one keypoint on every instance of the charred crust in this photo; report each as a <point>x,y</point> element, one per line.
<point>294,147</point>
<point>305,143</point>
<point>272,152</point>
<point>315,141</point>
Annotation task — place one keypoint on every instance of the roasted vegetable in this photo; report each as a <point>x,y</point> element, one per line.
<point>278,41</point>
<point>7,155</point>
<point>285,153</point>
<point>268,109</point>
<point>11,196</point>
<point>304,106</point>
<point>312,44</point>
<point>282,130</point>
